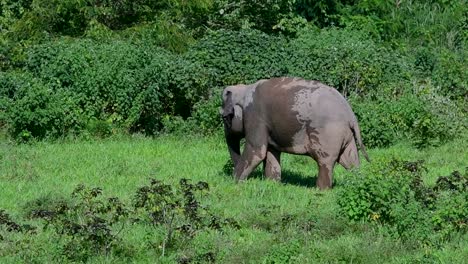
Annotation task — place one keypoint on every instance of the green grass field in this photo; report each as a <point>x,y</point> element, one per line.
<point>288,222</point>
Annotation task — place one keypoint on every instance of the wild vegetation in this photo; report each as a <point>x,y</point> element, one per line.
<point>103,104</point>
<point>104,67</point>
<point>121,200</point>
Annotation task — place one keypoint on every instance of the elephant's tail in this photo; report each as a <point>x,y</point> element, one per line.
<point>357,136</point>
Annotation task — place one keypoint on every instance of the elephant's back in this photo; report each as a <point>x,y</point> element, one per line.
<point>303,100</point>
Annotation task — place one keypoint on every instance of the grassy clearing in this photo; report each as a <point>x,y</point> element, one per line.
<point>279,223</point>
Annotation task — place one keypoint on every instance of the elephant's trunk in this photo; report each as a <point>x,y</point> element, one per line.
<point>233,143</point>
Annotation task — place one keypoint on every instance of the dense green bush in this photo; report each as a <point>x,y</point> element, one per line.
<point>205,119</point>
<point>115,84</point>
<point>447,70</point>
<point>393,194</point>
<point>347,60</point>
<point>244,56</point>
<point>131,86</point>
<point>121,83</point>
<point>32,109</point>
<point>423,117</point>
<point>451,73</point>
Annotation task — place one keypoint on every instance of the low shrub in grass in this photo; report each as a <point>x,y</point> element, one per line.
<point>88,224</point>
<point>176,212</point>
<point>423,117</point>
<point>8,225</point>
<point>393,194</point>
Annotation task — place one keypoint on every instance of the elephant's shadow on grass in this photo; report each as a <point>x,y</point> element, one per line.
<point>298,179</point>
<point>287,176</point>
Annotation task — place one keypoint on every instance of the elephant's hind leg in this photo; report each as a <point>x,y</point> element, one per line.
<point>271,165</point>
<point>325,176</point>
<point>325,149</point>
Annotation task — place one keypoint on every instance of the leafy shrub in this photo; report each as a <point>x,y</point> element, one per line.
<point>32,109</point>
<point>206,114</point>
<point>9,225</point>
<point>284,253</point>
<point>376,127</point>
<point>240,57</point>
<point>9,242</point>
<point>129,86</point>
<point>106,87</point>
<point>372,196</point>
<point>259,15</point>
<point>446,69</point>
<point>177,211</point>
<point>347,60</point>
<point>451,211</point>
<point>441,120</point>
<point>451,73</point>
<point>119,83</point>
<point>204,119</point>
<point>423,117</point>
<point>190,82</point>
<point>393,194</point>
<point>87,225</point>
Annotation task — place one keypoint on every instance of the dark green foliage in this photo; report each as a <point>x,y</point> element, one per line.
<point>228,167</point>
<point>424,119</point>
<point>205,114</point>
<point>88,225</point>
<point>347,60</point>
<point>260,15</point>
<point>456,182</point>
<point>178,211</point>
<point>9,225</point>
<point>114,72</point>
<point>33,109</point>
<point>448,70</point>
<point>451,73</point>
<point>244,56</point>
<point>122,84</point>
<point>72,17</point>
<point>393,194</point>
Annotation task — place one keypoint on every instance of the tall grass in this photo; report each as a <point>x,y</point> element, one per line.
<point>288,222</point>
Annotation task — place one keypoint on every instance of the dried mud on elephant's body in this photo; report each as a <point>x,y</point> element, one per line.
<point>290,115</point>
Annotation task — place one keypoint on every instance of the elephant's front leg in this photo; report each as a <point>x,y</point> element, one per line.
<point>272,165</point>
<point>250,158</point>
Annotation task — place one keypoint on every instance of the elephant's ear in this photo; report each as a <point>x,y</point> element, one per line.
<point>237,121</point>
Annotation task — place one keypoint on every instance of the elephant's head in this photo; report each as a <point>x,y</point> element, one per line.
<point>232,112</point>
<point>232,109</point>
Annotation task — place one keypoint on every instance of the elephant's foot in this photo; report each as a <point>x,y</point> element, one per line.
<point>325,180</point>
<point>271,165</point>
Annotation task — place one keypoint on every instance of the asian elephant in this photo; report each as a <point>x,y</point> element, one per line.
<point>289,115</point>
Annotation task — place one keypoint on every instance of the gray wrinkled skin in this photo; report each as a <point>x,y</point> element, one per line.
<point>289,115</point>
